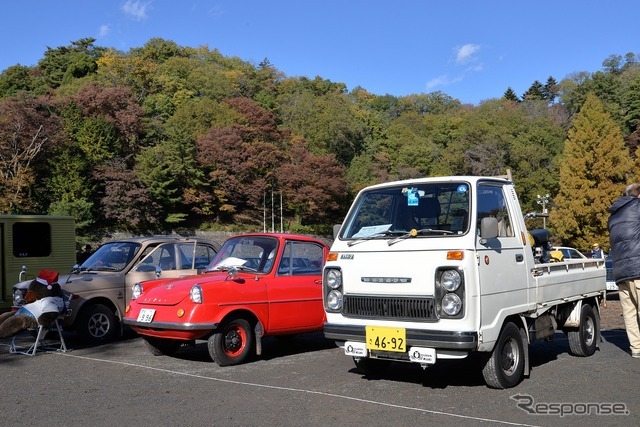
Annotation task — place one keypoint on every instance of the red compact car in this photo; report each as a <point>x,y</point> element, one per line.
<point>259,284</point>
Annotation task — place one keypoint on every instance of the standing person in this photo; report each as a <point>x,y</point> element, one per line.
<point>596,251</point>
<point>624,235</point>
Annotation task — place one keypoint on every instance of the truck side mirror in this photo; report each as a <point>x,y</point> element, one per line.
<point>336,230</point>
<point>488,229</point>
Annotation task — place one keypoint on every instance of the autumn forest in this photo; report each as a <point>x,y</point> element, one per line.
<point>166,137</point>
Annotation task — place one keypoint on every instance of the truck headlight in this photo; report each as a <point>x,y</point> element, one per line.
<point>334,278</point>
<point>450,292</point>
<point>17,297</point>
<point>196,294</point>
<point>334,300</point>
<point>450,280</point>
<point>451,304</point>
<point>332,289</point>
<point>136,291</point>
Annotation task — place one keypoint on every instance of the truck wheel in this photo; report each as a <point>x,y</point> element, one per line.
<point>96,324</point>
<point>583,340</point>
<point>161,347</point>
<point>369,366</point>
<point>232,343</point>
<point>505,366</point>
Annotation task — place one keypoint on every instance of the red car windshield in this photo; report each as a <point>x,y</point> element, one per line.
<point>254,253</point>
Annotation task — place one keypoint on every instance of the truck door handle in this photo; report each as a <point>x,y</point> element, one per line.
<point>519,258</point>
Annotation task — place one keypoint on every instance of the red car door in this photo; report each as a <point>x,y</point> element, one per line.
<point>295,289</point>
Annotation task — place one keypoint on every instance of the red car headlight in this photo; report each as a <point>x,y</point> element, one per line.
<point>196,294</point>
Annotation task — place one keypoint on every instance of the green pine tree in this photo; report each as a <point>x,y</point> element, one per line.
<point>550,90</point>
<point>510,95</point>
<point>594,168</point>
<point>631,104</point>
<point>535,92</point>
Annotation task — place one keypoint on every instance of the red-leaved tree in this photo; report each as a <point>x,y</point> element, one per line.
<point>124,199</point>
<point>29,130</point>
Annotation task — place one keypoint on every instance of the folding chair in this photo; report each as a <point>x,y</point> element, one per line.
<point>43,329</point>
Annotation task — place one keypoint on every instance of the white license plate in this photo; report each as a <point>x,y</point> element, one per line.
<point>422,355</point>
<point>611,286</point>
<point>146,315</point>
<point>355,349</point>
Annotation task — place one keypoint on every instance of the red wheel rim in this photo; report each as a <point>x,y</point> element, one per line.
<point>235,339</point>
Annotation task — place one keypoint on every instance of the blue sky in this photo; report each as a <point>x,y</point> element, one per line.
<point>470,50</point>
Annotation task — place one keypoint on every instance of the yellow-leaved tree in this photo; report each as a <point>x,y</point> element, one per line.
<point>594,169</point>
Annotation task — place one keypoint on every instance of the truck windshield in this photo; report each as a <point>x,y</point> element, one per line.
<point>427,209</point>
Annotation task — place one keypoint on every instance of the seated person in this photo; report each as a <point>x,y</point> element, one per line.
<point>44,304</point>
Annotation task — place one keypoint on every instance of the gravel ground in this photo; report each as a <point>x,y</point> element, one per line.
<point>611,313</point>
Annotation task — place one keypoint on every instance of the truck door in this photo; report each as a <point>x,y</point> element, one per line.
<point>501,265</point>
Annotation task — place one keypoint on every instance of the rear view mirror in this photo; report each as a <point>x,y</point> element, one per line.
<point>488,229</point>
<point>336,230</point>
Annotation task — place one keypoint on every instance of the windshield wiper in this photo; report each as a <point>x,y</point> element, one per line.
<point>414,233</point>
<point>104,268</point>
<point>227,267</point>
<point>374,236</point>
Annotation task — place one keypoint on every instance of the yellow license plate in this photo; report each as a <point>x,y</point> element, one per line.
<point>386,339</point>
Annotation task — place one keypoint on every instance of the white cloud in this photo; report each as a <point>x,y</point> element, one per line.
<point>467,53</point>
<point>136,9</point>
<point>437,81</point>
<point>104,31</point>
<point>466,56</point>
<point>443,80</point>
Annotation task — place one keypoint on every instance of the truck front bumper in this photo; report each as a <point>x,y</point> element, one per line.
<point>467,341</point>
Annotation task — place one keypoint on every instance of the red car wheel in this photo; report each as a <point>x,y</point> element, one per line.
<point>232,344</point>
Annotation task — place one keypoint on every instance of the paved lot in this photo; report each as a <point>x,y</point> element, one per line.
<point>308,381</point>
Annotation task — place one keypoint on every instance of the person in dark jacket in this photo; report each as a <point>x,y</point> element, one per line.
<point>624,236</point>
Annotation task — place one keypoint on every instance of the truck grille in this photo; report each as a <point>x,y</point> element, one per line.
<point>416,309</point>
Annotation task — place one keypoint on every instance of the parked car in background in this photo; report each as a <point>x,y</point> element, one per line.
<point>259,284</point>
<point>101,286</point>
<point>569,253</point>
<point>611,283</point>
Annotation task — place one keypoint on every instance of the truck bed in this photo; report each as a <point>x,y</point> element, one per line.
<point>569,280</point>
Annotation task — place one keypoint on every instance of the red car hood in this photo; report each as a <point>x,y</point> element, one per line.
<point>172,291</point>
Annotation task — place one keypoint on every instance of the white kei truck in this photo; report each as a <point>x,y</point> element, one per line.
<point>442,268</point>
